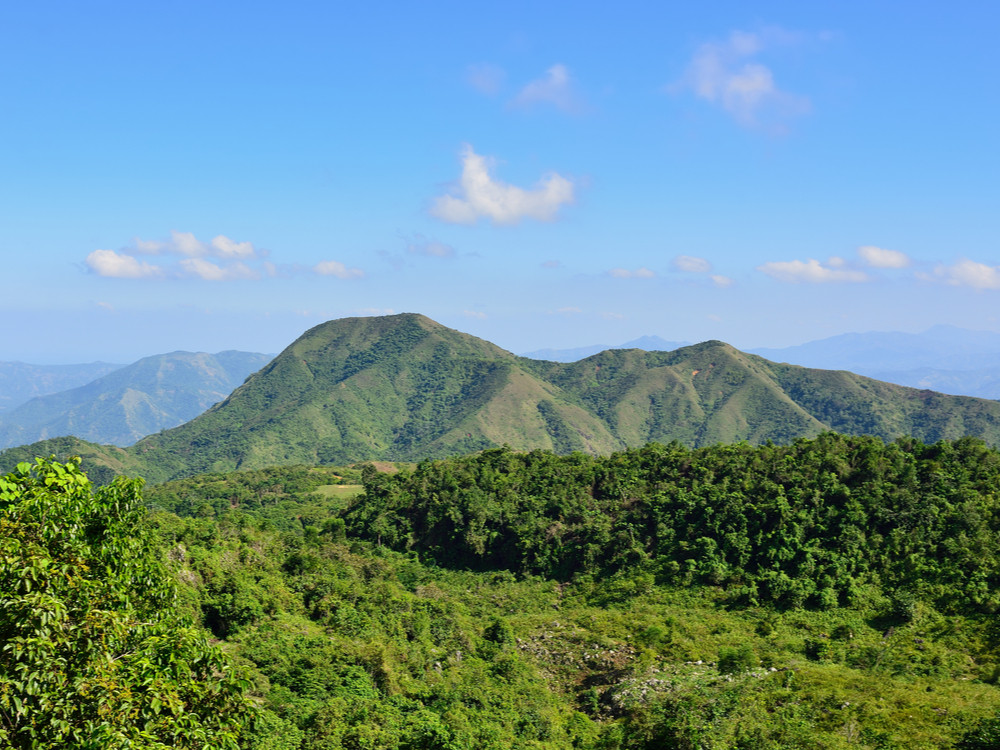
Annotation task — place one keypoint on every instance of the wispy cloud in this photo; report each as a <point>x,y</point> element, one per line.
<point>625,273</point>
<point>727,74</point>
<point>879,257</point>
<point>479,195</point>
<point>430,248</point>
<point>485,78</point>
<point>969,273</point>
<point>555,88</point>
<point>836,269</point>
<point>337,269</point>
<point>115,265</point>
<point>183,256</point>
<point>186,244</point>
<point>209,271</point>
<point>691,264</point>
<point>474,314</point>
<point>812,272</point>
<point>701,266</point>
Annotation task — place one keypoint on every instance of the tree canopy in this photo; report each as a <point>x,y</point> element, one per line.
<point>93,653</point>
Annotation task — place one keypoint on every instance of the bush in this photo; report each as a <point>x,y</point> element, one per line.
<point>736,660</point>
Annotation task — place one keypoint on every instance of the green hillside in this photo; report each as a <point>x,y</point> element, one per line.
<point>397,388</point>
<point>404,388</point>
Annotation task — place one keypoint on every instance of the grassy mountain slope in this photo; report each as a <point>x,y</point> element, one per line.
<point>123,406</point>
<point>404,388</point>
<point>701,394</point>
<point>398,387</point>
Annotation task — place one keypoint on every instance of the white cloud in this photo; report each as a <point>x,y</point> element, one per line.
<point>114,265</point>
<point>485,78</point>
<point>555,88</point>
<point>191,254</point>
<point>720,280</point>
<point>187,245</point>
<point>723,74</point>
<point>879,257</point>
<point>479,195</point>
<point>227,248</point>
<point>569,311</point>
<point>970,273</point>
<point>811,272</point>
<point>612,316</point>
<point>337,269</point>
<point>206,270</point>
<point>624,273</point>
<point>692,264</point>
<point>474,314</point>
<point>431,248</point>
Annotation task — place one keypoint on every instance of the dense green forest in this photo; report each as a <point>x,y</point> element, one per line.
<point>837,592</point>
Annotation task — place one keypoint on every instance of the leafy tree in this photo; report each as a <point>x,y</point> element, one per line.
<point>92,651</point>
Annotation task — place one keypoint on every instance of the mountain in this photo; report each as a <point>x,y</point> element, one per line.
<point>399,387</point>
<point>944,358</point>
<point>982,383</point>
<point>647,343</point>
<point>131,402</point>
<point>403,388</point>
<point>20,381</point>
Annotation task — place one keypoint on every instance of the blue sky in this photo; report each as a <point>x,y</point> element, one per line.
<point>209,176</point>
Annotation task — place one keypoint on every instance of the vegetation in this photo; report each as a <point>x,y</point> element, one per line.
<point>817,523</point>
<point>837,592</point>
<point>94,654</point>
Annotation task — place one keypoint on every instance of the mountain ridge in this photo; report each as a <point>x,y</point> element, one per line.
<point>404,388</point>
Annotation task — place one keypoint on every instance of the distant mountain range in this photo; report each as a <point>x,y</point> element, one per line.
<point>403,387</point>
<point>20,382</point>
<point>128,402</point>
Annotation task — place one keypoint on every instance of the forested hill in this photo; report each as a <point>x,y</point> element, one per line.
<point>403,387</point>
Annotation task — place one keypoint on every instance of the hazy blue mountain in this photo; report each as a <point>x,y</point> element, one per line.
<point>120,407</point>
<point>646,343</point>
<point>941,348</point>
<point>943,358</point>
<point>21,382</point>
<point>983,383</point>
